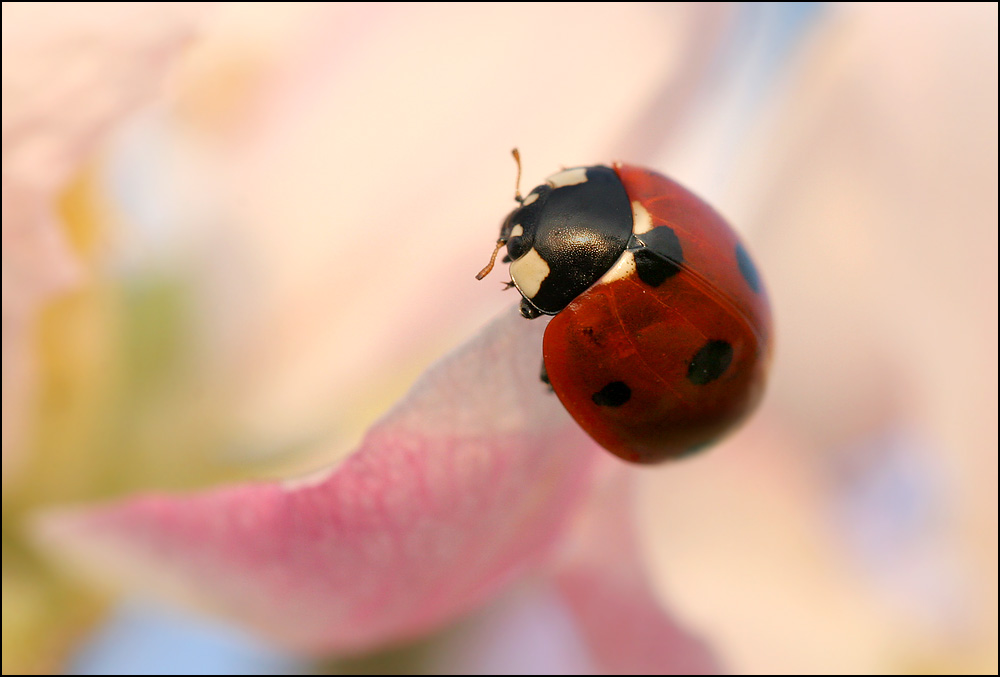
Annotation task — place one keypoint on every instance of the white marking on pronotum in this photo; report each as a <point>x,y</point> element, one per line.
<point>528,200</point>
<point>568,177</point>
<point>517,231</point>
<point>642,222</point>
<point>624,266</point>
<point>528,273</point>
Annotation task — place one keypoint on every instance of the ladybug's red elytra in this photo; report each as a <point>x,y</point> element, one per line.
<point>661,334</point>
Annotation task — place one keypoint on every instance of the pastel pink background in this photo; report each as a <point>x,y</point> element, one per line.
<point>326,180</point>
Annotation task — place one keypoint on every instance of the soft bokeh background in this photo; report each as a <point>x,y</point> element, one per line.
<point>233,235</point>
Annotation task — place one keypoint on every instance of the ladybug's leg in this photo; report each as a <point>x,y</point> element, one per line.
<point>544,377</point>
<point>529,311</point>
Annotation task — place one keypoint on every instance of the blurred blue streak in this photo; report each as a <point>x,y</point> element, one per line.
<point>765,39</point>
<point>756,60</point>
<point>144,638</point>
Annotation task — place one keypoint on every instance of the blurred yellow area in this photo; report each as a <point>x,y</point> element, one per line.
<point>114,415</point>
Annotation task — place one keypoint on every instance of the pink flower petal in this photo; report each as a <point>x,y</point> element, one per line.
<point>467,482</point>
<point>607,590</point>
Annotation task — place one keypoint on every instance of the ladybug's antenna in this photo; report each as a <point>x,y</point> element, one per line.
<point>489,266</point>
<point>517,184</point>
<point>502,241</point>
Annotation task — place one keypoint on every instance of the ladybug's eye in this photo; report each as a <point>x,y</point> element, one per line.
<point>516,245</point>
<point>521,225</point>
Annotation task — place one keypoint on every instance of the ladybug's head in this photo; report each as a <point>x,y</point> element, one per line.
<point>565,235</point>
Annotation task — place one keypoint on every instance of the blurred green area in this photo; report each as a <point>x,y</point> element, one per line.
<point>119,409</point>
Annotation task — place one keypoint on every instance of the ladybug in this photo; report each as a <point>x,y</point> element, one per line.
<point>661,331</point>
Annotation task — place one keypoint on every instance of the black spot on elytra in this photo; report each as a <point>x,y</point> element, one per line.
<point>747,268</point>
<point>710,362</point>
<point>664,241</point>
<point>652,269</point>
<point>660,256</point>
<point>615,394</point>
